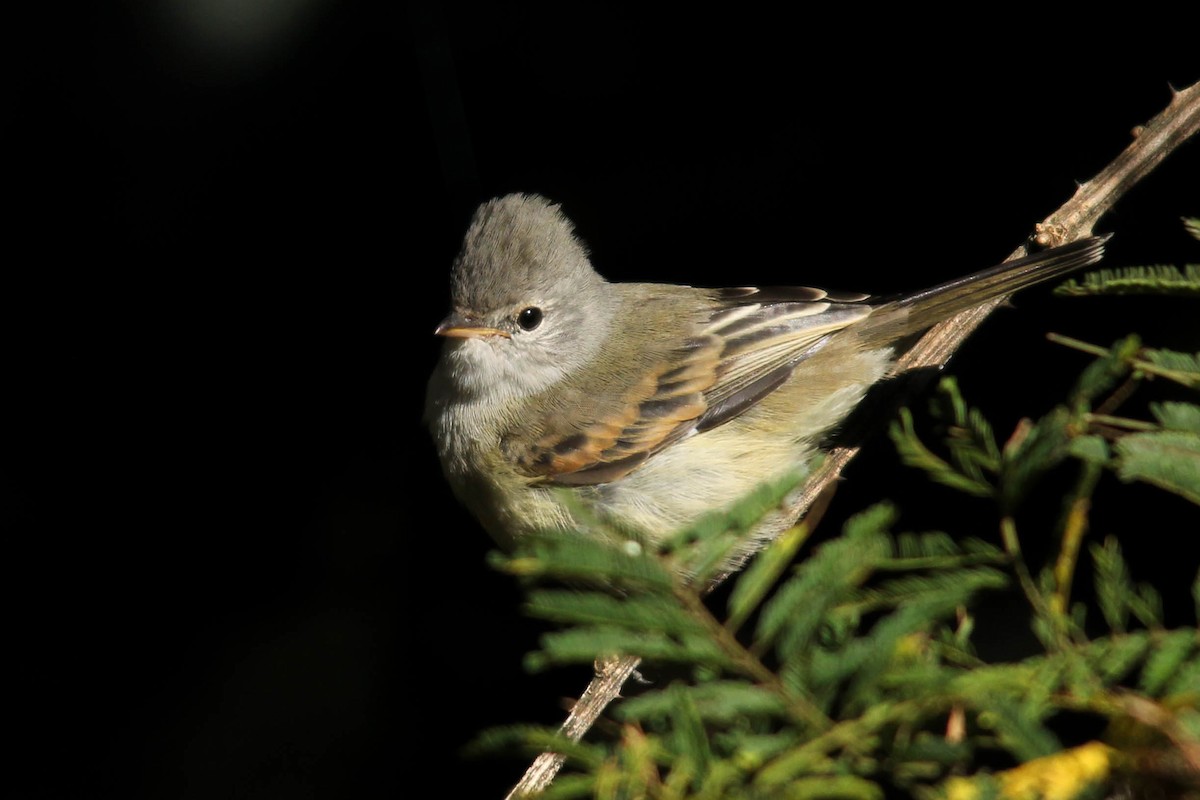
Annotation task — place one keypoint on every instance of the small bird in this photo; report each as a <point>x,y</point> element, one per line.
<point>653,404</point>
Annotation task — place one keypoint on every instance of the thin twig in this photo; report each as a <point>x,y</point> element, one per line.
<point>1139,364</point>
<point>603,689</point>
<point>1154,141</point>
<point>802,708</point>
<point>1074,528</point>
<point>1037,600</point>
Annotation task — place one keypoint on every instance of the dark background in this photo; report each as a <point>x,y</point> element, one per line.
<point>234,569</point>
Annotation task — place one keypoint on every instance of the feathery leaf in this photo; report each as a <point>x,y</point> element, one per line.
<point>1183,368</point>
<point>584,645</point>
<point>1167,459</point>
<point>1160,279</point>
<point>654,614</point>
<point>1176,416</point>
<point>1113,586</point>
<point>717,701</point>
<point>1171,652</point>
<point>914,453</point>
<point>762,573</point>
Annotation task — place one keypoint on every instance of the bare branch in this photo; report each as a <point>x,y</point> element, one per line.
<point>603,689</point>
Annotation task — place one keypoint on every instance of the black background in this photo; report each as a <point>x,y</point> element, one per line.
<point>234,570</point>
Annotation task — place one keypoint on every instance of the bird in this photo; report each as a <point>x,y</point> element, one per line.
<point>652,404</point>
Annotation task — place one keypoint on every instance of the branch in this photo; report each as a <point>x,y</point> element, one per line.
<point>603,689</point>
<point>1073,220</point>
<point>1152,143</point>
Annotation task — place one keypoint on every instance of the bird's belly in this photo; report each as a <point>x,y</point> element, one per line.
<point>775,440</point>
<point>703,474</point>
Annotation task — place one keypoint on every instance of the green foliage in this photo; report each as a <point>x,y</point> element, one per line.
<point>1167,459</point>
<point>1159,279</point>
<point>965,477</point>
<point>1156,279</point>
<point>1164,452</point>
<point>1183,368</point>
<point>853,672</point>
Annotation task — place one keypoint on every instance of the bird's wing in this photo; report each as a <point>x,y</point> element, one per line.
<point>742,348</point>
<point>765,333</point>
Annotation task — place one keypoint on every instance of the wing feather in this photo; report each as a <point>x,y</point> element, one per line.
<point>745,348</point>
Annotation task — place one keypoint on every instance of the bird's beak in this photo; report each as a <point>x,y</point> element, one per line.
<point>457,326</point>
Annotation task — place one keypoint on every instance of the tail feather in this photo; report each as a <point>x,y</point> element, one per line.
<point>917,311</point>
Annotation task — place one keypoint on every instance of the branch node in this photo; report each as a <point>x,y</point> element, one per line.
<point>1051,234</point>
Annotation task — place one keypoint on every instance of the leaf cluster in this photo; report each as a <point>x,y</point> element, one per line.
<point>853,672</point>
<point>1157,279</point>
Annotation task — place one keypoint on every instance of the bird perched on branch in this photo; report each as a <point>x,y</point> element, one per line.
<point>652,404</point>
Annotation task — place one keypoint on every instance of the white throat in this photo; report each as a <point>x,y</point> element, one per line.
<point>481,369</point>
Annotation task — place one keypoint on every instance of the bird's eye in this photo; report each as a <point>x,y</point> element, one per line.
<point>530,318</point>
